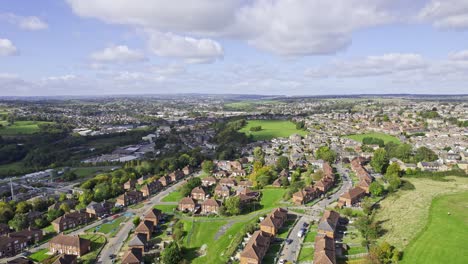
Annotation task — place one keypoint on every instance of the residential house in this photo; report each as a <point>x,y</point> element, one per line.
<point>247,184</point>
<point>138,241</point>
<point>129,198</point>
<point>150,188</point>
<point>165,181</point>
<point>186,204</point>
<point>324,250</point>
<point>96,210</point>
<point>154,215</point>
<point>14,243</point>
<point>70,220</point>
<point>208,181</point>
<point>220,173</point>
<point>228,182</point>
<point>145,228</point>
<point>256,248</point>
<point>66,259</point>
<point>70,245</point>
<point>210,206</point>
<point>222,191</point>
<point>198,194</point>
<point>20,260</point>
<point>305,195</point>
<point>351,197</point>
<point>187,170</point>
<point>274,221</point>
<point>176,175</point>
<point>133,256</point>
<point>130,184</point>
<point>328,223</point>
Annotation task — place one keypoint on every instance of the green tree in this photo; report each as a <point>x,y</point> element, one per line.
<point>233,205</point>
<point>282,163</point>
<point>425,154</point>
<point>6,212</point>
<point>171,254</point>
<point>379,161</point>
<point>207,166</point>
<point>393,169</point>
<point>19,222</point>
<point>136,220</point>
<point>65,207</point>
<point>326,154</point>
<point>23,207</point>
<point>259,155</point>
<point>376,189</point>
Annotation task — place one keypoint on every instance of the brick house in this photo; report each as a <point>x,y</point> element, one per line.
<point>274,221</point>
<point>228,182</point>
<point>133,256</point>
<point>305,195</point>
<point>98,209</point>
<point>130,184</point>
<point>70,245</point>
<point>208,181</point>
<point>198,194</point>
<point>256,248</point>
<point>70,220</point>
<point>66,259</point>
<point>145,228</point>
<point>351,197</point>
<point>187,170</point>
<point>150,188</point>
<point>324,250</point>
<point>222,191</point>
<point>129,198</point>
<point>328,223</point>
<point>15,242</point>
<point>139,241</point>
<point>176,175</point>
<point>165,181</point>
<point>186,204</point>
<point>154,216</point>
<point>210,206</point>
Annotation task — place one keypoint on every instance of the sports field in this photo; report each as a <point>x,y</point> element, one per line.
<point>385,137</point>
<point>445,236</point>
<point>20,127</point>
<point>405,214</point>
<point>271,129</point>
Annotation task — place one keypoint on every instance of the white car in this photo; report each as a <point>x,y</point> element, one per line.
<point>281,261</point>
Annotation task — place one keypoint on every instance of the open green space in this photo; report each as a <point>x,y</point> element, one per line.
<point>249,105</point>
<point>405,214</point>
<point>306,254</point>
<point>271,129</point>
<point>385,137</point>
<point>20,127</point>
<point>310,236</point>
<point>174,196</point>
<point>166,208</point>
<point>445,236</point>
<point>111,227</point>
<point>97,243</point>
<point>89,171</point>
<point>271,198</point>
<point>40,255</point>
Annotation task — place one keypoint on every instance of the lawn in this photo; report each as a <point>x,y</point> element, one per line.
<point>40,255</point>
<point>166,208</point>
<point>271,198</point>
<point>404,214</point>
<point>48,229</point>
<point>271,129</point>
<point>21,127</point>
<point>88,171</point>
<point>306,254</point>
<point>385,137</point>
<point>445,237</point>
<point>174,196</point>
<point>111,227</point>
<point>97,243</point>
<point>310,236</point>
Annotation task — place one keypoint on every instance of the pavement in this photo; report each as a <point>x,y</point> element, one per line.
<point>291,252</point>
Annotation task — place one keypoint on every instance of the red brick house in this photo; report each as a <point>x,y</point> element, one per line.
<point>70,245</point>
<point>210,206</point>
<point>70,220</point>
<point>256,248</point>
<point>274,221</point>
<point>129,198</point>
<point>154,216</point>
<point>198,194</point>
<point>187,204</point>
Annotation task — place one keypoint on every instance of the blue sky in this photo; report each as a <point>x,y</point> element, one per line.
<point>289,47</point>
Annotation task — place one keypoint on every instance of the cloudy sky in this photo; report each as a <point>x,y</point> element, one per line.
<point>289,47</point>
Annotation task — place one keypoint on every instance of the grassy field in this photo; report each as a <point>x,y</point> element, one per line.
<point>109,228</point>
<point>166,208</point>
<point>271,198</point>
<point>248,105</point>
<point>97,243</point>
<point>445,237</point>
<point>20,127</point>
<point>40,255</point>
<point>271,129</point>
<point>385,137</point>
<point>404,214</point>
<point>174,196</point>
<point>306,255</point>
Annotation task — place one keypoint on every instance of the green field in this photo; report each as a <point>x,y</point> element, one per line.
<point>445,237</point>
<point>20,127</point>
<point>174,196</point>
<point>385,137</point>
<point>97,243</point>
<point>166,208</point>
<point>271,129</point>
<point>40,255</point>
<point>249,105</point>
<point>271,198</point>
<point>109,228</point>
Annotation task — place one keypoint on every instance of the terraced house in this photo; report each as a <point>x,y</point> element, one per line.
<point>70,245</point>
<point>274,221</point>
<point>70,220</point>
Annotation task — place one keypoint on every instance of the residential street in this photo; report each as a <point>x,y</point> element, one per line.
<point>291,252</point>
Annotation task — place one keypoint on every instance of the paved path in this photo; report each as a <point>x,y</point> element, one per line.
<point>291,252</point>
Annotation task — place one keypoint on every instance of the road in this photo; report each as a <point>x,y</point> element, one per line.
<point>115,243</point>
<point>291,252</point>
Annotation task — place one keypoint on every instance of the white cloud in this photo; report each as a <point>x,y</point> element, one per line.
<point>285,27</point>
<point>446,14</point>
<point>24,22</point>
<point>190,49</point>
<point>121,54</point>
<point>7,48</point>
<point>60,78</point>
<point>461,55</point>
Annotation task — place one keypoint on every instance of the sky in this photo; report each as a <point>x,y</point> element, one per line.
<point>274,47</point>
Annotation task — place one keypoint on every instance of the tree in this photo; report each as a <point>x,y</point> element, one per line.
<point>19,222</point>
<point>207,166</point>
<point>62,197</point>
<point>376,189</point>
<point>379,161</point>
<point>326,154</point>
<point>384,253</point>
<point>187,188</point>
<point>317,175</point>
<point>394,182</point>
<point>259,155</point>
<point>53,214</point>
<point>39,205</point>
<point>425,154</point>
<point>233,205</point>
<point>6,212</point>
<point>136,220</point>
<point>393,169</point>
<point>65,207</point>
<point>282,163</point>
<point>171,254</point>
<point>23,207</point>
